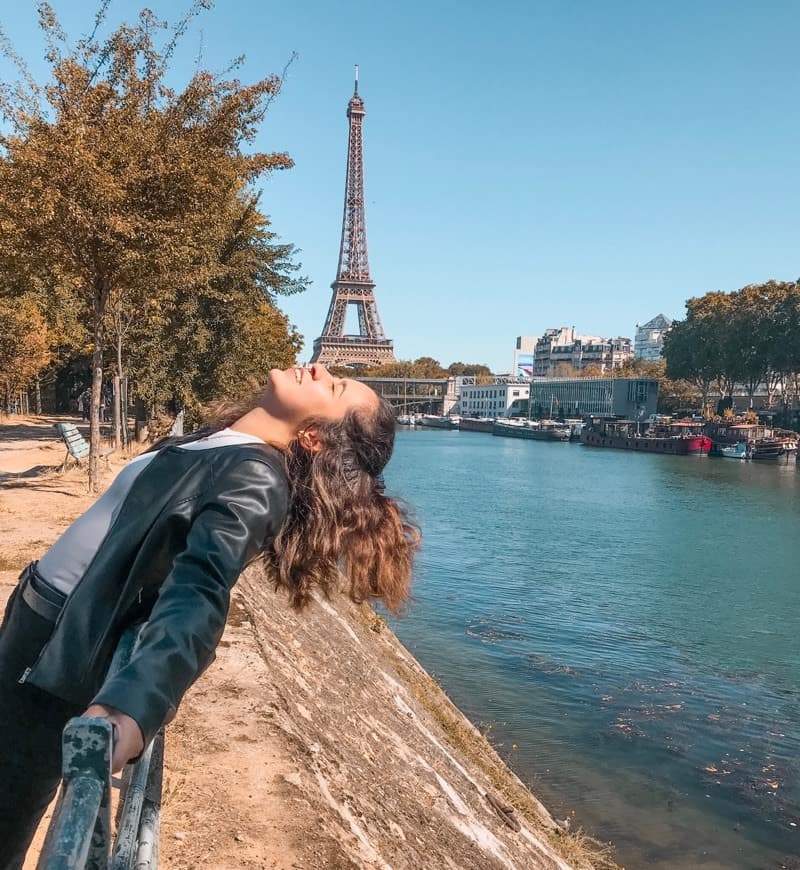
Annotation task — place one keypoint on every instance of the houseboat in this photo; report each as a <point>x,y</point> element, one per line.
<point>771,448</point>
<point>756,440</point>
<point>476,424</point>
<point>732,433</point>
<point>432,421</point>
<point>534,430</point>
<point>681,438</point>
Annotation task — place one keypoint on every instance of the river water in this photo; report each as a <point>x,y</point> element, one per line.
<point>627,629</point>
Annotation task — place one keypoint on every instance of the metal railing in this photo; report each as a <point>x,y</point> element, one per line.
<point>79,836</point>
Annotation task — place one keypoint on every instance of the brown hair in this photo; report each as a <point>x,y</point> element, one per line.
<point>339,516</point>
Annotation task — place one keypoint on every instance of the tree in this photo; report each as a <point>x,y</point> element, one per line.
<point>477,370</point>
<point>119,184</point>
<point>565,370</point>
<point>422,367</point>
<point>191,343</point>
<point>749,337</point>
<point>783,345</point>
<point>24,350</point>
<point>690,351</point>
<point>750,332</point>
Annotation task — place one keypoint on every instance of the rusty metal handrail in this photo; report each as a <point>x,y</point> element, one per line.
<point>79,835</point>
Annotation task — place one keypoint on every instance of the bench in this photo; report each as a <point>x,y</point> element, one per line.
<point>77,445</point>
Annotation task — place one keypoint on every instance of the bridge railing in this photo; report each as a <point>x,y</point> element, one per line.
<point>79,836</point>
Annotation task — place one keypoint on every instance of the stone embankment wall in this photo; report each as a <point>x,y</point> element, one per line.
<point>388,766</point>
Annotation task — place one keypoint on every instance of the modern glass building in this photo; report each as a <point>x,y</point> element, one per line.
<point>632,398</point>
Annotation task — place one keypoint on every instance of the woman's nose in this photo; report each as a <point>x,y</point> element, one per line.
<point>318,371</point>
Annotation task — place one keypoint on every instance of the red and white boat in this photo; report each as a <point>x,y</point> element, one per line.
<point>681,438</point>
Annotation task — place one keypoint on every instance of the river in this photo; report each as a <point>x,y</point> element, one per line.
<point>625,627</point>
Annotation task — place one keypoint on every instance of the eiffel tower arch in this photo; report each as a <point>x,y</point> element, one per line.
<point>353,284</point>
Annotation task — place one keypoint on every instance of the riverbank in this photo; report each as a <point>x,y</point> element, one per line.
<point>315,740</point>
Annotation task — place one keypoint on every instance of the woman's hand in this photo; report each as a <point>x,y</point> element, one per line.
<point>128,740</point>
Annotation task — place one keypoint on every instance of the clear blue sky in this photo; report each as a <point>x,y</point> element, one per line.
<point>528,164</point>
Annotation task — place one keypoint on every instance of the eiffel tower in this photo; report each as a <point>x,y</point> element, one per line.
<point>353,285</point>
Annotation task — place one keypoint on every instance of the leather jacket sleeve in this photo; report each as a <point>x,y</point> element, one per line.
<point>244,511</point>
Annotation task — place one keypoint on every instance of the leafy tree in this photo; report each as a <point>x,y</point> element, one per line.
<point>782,350</point>
<point>423,367</point>
<point>457,369</point>
<point>427,367</point>
<point>689,351</point>
<point>565,370</point>
<point>24,349</point>
<point>201,335</point>
<point>121,186</point>
<point>749,337</point>
<point>750,322</point>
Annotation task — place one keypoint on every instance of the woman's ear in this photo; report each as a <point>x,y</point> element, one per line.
<point>309,440</point>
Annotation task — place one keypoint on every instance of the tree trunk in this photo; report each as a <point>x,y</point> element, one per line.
<point>704,387</point>
<point>38,395</point>
<point>115,414</point>
<point>123,404</point>
<point>119,410</point>
<point>97,387</point>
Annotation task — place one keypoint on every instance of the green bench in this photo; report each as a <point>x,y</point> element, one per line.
<point>77,445</point>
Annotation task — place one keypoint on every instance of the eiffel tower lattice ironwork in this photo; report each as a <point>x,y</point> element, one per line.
<point>353,284</point>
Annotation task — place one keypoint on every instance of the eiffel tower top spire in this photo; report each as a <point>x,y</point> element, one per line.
<point>353,257</point>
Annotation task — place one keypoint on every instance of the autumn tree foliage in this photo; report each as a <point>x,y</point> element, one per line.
<point>427,367</point>
<point>24,347</point>
<point>750,337</point>
<point>133,203</point>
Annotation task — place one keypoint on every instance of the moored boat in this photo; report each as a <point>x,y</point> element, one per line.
<point>768,449</point>
<point>476,424</point>
<point>432,421</point>
<point>533,430</point>
<point>575,429</point>
<point>735,451</point>
<point>512,428</point>
<point>680,439</point>
<point>553,430</point>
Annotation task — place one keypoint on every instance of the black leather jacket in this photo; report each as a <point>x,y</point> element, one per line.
<point>190,523</point>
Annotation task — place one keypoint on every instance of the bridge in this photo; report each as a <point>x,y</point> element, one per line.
<point>415,395</point>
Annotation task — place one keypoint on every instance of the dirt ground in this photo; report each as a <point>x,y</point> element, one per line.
<point>314,741</point>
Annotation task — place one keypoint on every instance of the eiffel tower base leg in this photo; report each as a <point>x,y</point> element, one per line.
<point>359,353</point>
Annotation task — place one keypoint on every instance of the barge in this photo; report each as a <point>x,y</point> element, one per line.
<point>535,430</point>
<point>476,424</point>
<point>677,439</point>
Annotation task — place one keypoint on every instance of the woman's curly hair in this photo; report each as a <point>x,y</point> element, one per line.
<point>340,522</point>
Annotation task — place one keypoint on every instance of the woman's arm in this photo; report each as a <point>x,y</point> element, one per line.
<point>178,641</point>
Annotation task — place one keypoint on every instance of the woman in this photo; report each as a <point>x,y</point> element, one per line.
<point>294,475</point>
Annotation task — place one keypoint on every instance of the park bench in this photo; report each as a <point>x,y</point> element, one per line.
<point>77,445</point>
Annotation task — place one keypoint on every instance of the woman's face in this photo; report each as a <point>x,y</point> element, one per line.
<point>295,394</point>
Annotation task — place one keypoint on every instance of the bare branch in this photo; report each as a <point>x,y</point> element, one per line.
<point>99,18</point>
<point>195,9</point>
<point>7,50</point>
